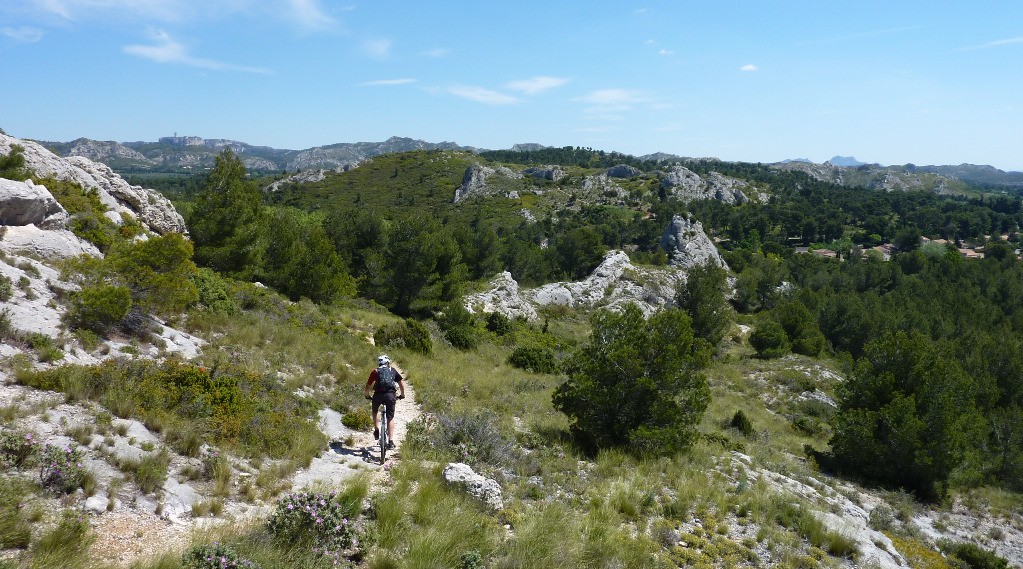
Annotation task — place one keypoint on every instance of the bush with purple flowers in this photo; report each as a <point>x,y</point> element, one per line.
<point>216,556</point>
<point>61,469</point>
<point>16,448</point>
<point>322,520</point>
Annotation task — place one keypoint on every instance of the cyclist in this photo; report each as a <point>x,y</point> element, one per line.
<point>383,383</point>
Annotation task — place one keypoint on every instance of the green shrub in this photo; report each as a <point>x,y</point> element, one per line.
<point>216,556</point>
<point>61,469</point>
<point>324,522</point>
<point>537,359</point>
<point>44,346</point>
<point>6,288</point>
<point>410,334</point>
<point>472,439</point>
<point>973,556</point>
<point>741,423</point>
<point>635,384</point>
<point>12,165</point>
<point>98,308</point>
<point>360,419</point>
<point>769,339</point>
<point>16,448</point>
<point>499,323</point>
<point>463,337</point>
<point>213,293</point>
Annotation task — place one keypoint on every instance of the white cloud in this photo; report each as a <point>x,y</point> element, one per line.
<point>996,43</point>
<point>613,97</point>
<point>609,104</point>
<point>24,34</point>
<point>437,52</point>
<point>482,95</point>
<point>537,84</point>
<point>387,82</point>
<point>166,49</point>
<point>166,10</point>
<point>749,67</point>
<point>378,48</point>
<point>666,52</point>
<point>308,14</point>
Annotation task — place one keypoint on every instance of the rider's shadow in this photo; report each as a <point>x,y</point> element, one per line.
<point>364,454</point>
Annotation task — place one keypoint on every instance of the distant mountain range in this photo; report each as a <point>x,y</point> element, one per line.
<point>192,153</point>
<point>195,154</point>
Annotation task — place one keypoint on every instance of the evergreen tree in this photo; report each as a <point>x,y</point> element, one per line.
<point>226,219</point>
<point>702,296</point>
<point>636,384</point>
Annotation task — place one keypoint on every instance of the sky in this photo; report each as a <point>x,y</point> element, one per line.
<point>909,81</point>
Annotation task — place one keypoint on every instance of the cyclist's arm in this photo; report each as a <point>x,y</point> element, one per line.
<point>401,388</point>
<point>368,390</point>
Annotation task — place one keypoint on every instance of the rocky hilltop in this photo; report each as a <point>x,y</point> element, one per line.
<point>193,153</point>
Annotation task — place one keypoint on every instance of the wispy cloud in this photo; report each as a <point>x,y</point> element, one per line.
<point>166,49</point>
<point>537,84</point>
<point>378,48</point>
<point>24,34</point>
<point>613,97</point>
<point>482,95</point>
<point>164,10</point>
<point>608,104</point>
<point>665,52</point>
<point>308,14</point>
<point>387,82</point>
<point>861,35</point>
<point>437,52</point>
<point>749,67</point>
<point>990,44</point>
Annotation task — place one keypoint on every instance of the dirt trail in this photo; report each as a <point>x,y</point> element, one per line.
<point>406,411</point>
<point>129,534</point>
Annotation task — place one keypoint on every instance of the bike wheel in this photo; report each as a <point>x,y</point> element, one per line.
<point>383,438</point>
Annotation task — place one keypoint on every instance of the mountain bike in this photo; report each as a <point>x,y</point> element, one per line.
<point>385,419</point>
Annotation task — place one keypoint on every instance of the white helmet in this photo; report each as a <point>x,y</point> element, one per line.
<point>383,360</point>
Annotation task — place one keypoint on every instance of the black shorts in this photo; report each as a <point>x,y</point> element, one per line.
<point>387,398</point>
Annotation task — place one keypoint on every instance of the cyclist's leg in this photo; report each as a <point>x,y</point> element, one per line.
<point>390,402</point>
<point>377,400</point>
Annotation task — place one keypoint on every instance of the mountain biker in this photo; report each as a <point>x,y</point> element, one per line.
<point>383,382</point>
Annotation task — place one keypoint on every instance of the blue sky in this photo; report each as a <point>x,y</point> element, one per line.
<point>891,82</point>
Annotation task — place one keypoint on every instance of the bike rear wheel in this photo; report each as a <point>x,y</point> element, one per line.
<point>383,436</point>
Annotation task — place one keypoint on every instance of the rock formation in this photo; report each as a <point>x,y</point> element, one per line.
<point>483,489</point>
<point>474,181</point>
<point>148,206</point>
<point>686,185</point>
<point>552,173</point>
<point>614,283</point>
<point>688,245</point>
<point>622,171</point>
<point>24,203</point>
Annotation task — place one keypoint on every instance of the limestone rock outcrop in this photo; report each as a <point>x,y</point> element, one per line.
<point>24,203</point>
<point>686,185</point>
<point>120,197</point>
<point>476,178</point>
<point>622,171</point>
<point>688,245</point>
<point>484,489</point>
<point>613,284</point>
<point>552,173</point>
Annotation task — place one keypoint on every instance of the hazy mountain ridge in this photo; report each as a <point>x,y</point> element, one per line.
<point>177,153</point>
